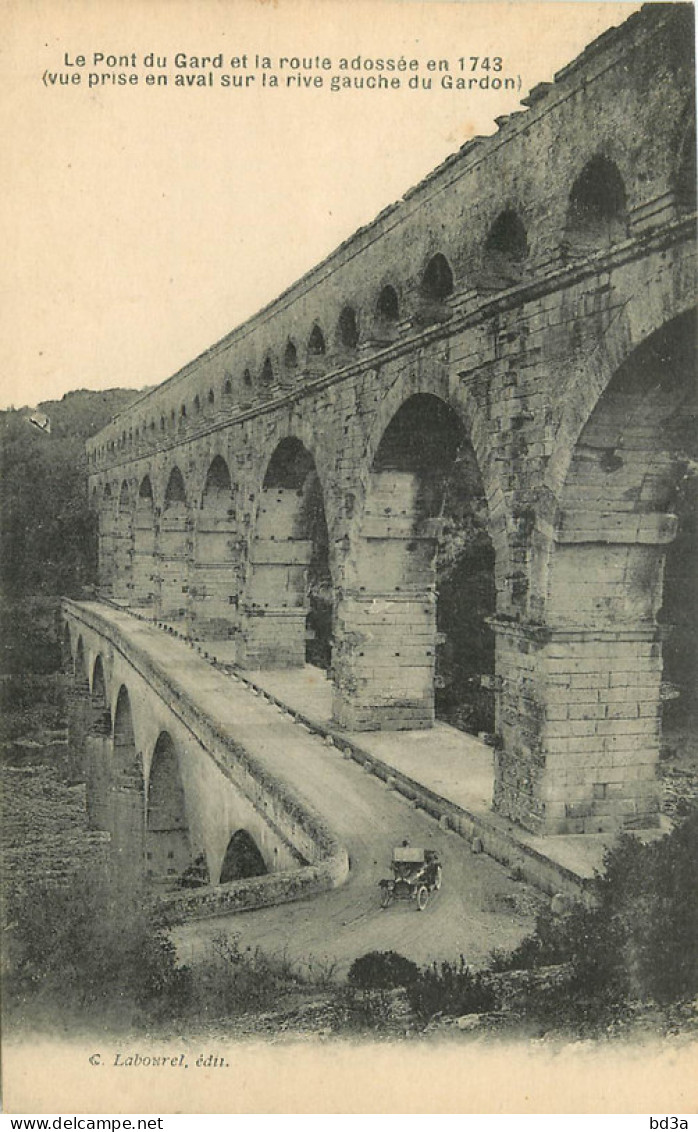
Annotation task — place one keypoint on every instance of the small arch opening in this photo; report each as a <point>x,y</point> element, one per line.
<point>597,210</point>
<point>145,491</point>
<point>242,858</point>
<point>217,480</point>
<point>437,280</point>
<point>388,305</point>
<point>348,330</point>
<point>506,249</point>
<point>316,343</point>
<point>290,357</point>
<point>267,371</point>
<point>175,492</point>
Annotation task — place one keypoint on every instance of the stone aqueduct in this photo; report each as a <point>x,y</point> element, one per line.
<point>521,321</point>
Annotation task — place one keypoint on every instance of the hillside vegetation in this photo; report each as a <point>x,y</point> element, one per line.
<point>49,544</point>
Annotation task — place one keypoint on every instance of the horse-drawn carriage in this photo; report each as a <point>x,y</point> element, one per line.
<point>416,873</point>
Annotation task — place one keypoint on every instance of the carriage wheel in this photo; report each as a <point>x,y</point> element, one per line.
<point>386,897</point>
<point>437,880</point>
<point>422,897</point>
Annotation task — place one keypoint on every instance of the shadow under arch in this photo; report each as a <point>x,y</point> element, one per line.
<point>242,858</point>
<point>214,589</point>
<point>127,800</point>
<point>288,600</point>
<point>98,751</point>
<point>167,840</point>
<point>105,542</point>
<point>123,536</point>
<point>419,583</point>
<point>505,251</point>
<point>174,550</point>
<point>597,211</point>
<point>143,592</point>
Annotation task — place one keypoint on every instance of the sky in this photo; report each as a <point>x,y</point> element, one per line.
<point>143,223</point>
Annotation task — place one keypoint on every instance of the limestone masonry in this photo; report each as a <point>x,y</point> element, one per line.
<point>522,319</point>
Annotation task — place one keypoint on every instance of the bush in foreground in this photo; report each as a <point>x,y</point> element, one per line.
<point>639,940</point>
<point>70,946</point>
<point>443,988</point>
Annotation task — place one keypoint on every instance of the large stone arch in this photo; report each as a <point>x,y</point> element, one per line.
<point>289,577</point>
<point>123,548</point>
<point>144,540</point>
<point>167,841</point>
<point>665,297</point>
<point>580,747</point>
<point>105,541</point>
<point>638,315</point>
<point>614,522</point>
<point>386,629</point>
<point>426,376</point>
<point>214,586</point>
<point>174,549</point>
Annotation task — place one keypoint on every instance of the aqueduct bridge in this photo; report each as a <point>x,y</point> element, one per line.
<point>449,464</point>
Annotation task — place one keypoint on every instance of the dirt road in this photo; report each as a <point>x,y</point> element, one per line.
<point>478,908</point>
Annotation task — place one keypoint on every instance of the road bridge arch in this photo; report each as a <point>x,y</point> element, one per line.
<point>168,848</point>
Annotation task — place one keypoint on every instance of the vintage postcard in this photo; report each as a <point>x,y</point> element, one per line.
<point>349,543</point>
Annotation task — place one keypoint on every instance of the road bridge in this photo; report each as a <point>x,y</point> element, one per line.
<point>202,779</point>
<point>449,464</point>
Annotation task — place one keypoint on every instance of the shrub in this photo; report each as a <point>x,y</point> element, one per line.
<point>71,945</point>
<point>231,980</point>
<point>639,941</point>
<point>382,970</point>
<point>451,989</point>
<point>443,988</point>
